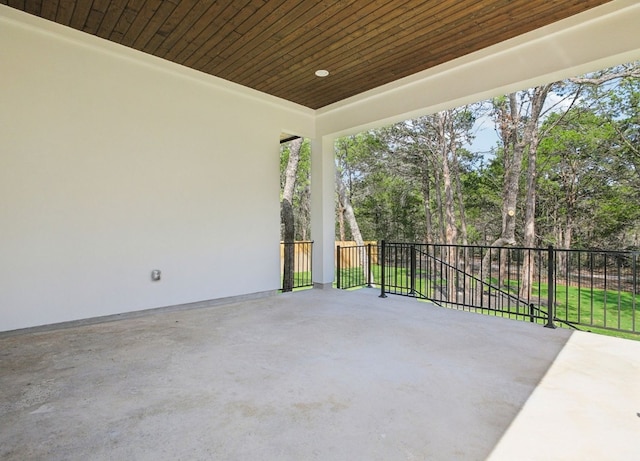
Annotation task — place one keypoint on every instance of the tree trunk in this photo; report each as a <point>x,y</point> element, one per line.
<point>426,196</point>
<point>569,182</point>
<point>529,263</point>
<point>508,120</point>
<point>451,235</point>
<point>438,191</point>
<point>451,231</point>
<point>286,215</point>
<point>353,223</point>
<point>531,140</point>
<point>463,220</point>
<point>461,211</point>
<point>341,229</point>
<point>286,212</point>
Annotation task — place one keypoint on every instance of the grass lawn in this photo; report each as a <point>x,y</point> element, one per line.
<point>301,280</point>
<point>597,309</point>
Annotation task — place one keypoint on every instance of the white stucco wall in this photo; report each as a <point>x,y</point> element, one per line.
<point>114,163</point>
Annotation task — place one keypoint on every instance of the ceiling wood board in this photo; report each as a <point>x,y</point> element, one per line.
<point>275,46</point>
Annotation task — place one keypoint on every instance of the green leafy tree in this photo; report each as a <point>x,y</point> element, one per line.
<point>301,195</point>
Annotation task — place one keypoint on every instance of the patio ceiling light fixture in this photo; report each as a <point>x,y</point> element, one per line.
<point>322,73</point>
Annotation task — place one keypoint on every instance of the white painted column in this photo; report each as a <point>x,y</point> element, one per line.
<point>323,210</point>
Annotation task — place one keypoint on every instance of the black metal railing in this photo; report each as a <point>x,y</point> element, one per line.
<point>596,290</point>
<point>356,263</point>
<point>299,254</point>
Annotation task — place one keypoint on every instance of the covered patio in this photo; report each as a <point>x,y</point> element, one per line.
<point>141,138</point>
<point>137,186</point>
<point>318,374</point>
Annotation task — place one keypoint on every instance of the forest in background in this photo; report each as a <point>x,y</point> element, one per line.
<point>564,171</point>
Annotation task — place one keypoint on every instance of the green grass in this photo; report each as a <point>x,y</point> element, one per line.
<point>399,278</point>
<point>597,309</point>
<point>300,279</point>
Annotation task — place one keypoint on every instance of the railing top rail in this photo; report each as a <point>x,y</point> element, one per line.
<point>515,247</point>
<point>614,252</point>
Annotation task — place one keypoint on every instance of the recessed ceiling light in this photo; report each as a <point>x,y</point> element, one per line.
<point>322,73</point>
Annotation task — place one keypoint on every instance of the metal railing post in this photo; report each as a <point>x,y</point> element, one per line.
<point>412,268</point>
<point>368,265</point>
<point>311,263</point>
<point>383,256</point>
<point>338,267</point>
<point>551,292</point>
<point>634,291</point>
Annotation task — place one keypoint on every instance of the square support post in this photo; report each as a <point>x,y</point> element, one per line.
<point>323,210</point>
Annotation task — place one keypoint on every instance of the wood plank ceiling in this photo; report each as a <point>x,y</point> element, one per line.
<point>275,46</point>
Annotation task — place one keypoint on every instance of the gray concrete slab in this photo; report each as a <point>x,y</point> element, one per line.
<point>587,406</point>
<point>316,375</point>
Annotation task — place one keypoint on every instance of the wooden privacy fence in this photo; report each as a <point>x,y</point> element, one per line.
<point>350,259</point>
<point>302,256</point>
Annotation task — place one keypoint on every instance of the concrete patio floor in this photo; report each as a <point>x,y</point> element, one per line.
<point>318,375</point>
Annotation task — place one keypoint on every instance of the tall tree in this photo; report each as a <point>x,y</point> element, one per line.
<point>575,153</point>
<point>531,140</point>
<point>345,151</point>
<point>509,127</point>
<point>508,120</point>
<point>360,165</point>
<point>347,209</point>
<point>519,129</point>
<point>287,214</point>
<point>426,154</point>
